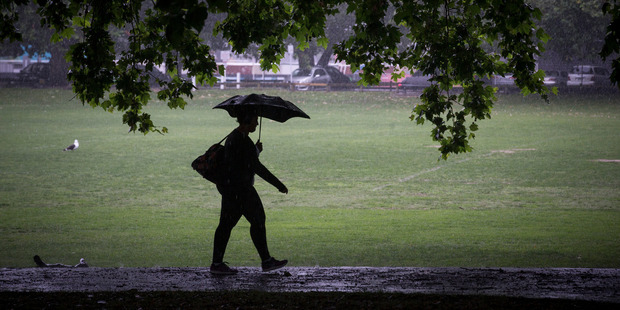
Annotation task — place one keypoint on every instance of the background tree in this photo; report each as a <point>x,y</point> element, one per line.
<point>612,39</point>
<point>576,28</point>
<point>443,38</point>
<point>35,39</point>
<point>338,27</point>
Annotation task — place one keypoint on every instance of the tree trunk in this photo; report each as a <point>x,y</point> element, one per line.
<point>59,67</point>
<point>327,55</point>
<point>305,57</point>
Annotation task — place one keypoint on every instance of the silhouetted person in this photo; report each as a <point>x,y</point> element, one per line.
<point>239,197</point>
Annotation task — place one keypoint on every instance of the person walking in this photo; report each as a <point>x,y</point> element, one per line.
<point>239,197</point>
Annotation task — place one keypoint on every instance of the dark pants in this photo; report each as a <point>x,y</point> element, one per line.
<point>235,203</point>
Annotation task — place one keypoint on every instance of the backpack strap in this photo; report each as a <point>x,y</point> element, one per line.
<point>224,139</point>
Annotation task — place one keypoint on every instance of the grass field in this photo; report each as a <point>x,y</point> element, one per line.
<point>365,184</point>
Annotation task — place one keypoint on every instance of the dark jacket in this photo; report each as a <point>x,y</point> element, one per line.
<point>241,158</point>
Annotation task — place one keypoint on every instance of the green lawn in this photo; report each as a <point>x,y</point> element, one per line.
<point>365,184</point>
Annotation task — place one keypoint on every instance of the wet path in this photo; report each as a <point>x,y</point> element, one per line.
<point>565,283</point>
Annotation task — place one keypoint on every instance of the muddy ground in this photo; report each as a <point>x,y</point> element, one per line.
<point>311,287</point>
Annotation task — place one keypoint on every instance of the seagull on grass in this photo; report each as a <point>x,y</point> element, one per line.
<point>73,146</point>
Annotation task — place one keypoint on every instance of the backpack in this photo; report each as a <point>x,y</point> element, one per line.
<point>210,165</point>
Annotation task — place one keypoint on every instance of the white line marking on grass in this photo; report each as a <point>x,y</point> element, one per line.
<point>607,160</point>
<point>415,175</point>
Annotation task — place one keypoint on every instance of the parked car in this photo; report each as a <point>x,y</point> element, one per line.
<point>318,75</point>
<point>8,78</point>
<point>556,78</point>
<point>35,74</point>
<point>416,81</point>
<point>507,80</point>
<point>584,75</point>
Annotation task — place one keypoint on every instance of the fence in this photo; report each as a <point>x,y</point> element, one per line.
<point>305,86</point>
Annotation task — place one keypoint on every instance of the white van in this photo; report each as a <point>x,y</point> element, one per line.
<point>588,76</point>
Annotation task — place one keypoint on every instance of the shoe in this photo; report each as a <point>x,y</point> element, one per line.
<point>222,269</point>
<point>273,264</point>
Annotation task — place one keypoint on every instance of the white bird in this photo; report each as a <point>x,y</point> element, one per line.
<point>73,146</point>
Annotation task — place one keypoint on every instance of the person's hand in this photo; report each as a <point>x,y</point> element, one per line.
<point>283,189</point>
<point>259,146</point>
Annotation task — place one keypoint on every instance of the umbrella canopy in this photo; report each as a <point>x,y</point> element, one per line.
<point>271,107</point>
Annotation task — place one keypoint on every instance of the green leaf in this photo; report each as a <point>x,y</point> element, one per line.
<point>303,45</point>
<point>80,21</point>
<point>554,90</point>
<point>542,35</point>
<point>66,33</point>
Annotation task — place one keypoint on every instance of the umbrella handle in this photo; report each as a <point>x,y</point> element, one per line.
<point>260,127</point>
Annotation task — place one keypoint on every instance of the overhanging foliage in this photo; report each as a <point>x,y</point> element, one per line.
<point>459,42</point>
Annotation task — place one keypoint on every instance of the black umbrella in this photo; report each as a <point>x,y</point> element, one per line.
<point>271,107</point>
